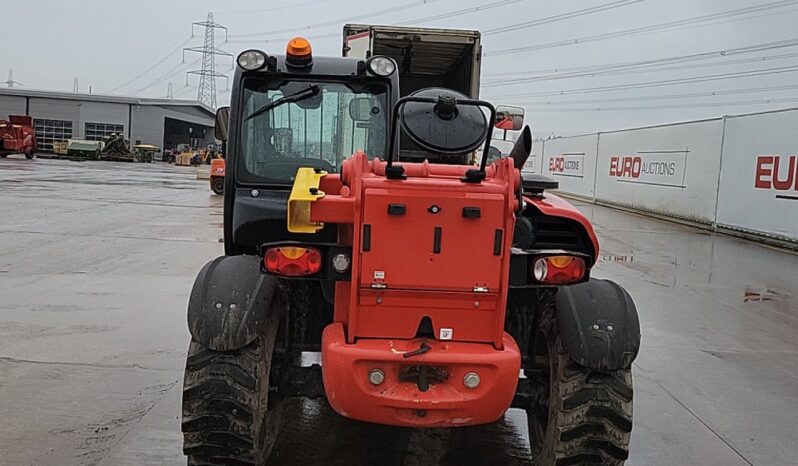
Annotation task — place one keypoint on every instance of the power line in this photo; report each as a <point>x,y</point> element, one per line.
<point>155,65</point>
<point>689,95</point>
<point>648,29</point>
<point>665,82</point>
<point>488,6</point>
<point>425,19</point>
<point>185,89</point>
<point>562,16</point>
<point>172,72</point>
<point>721,53</point>
<point>372,14</point>
<point>266,10</point>
<point>667,107</point>
<point>639,70</point>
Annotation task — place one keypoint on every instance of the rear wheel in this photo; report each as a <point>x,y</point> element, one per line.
<point>217,186</point>
<point>227,417</point>
<point>30,154</point>
<point>577,416</point>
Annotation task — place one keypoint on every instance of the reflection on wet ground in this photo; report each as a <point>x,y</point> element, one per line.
<point>313,435</point>
<point>97,261</point>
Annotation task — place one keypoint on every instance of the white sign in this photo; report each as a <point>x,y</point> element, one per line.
<point>446,334</point>
<point>572,161</point>
<point>652,167</point>
<point>529,165</point>
<point>568,164</point>
<point>669,170</point>
<point>759,180</point>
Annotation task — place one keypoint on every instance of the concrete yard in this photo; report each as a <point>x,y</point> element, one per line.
<point>97,260</point>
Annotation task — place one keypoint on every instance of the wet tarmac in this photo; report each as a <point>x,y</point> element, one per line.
<point>97,260</point>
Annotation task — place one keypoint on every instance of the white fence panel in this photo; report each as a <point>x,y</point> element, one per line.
<point>759,178</point>
<point>532,164</point>
<point>572,162</point>
<point>670,170</point>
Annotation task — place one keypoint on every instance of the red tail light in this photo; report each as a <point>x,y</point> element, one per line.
<point>292,261</point>
<point>558,270</point>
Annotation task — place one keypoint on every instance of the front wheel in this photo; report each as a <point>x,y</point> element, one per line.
<point>578,416</point>
<point>217,185</point>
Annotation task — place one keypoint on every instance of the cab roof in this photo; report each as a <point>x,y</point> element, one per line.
<point>330,66</point>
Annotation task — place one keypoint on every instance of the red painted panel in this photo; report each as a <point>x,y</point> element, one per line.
<point>402,255</point>
<point>447,403</point>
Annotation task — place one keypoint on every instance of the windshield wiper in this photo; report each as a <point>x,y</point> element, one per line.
<point>303,94</point>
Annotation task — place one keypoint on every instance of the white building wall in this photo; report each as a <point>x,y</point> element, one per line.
<point>102,112</point>
<point>11,105</point>
<point>55,109</point>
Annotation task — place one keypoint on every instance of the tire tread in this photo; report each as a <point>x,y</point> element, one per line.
<point>220,400</point>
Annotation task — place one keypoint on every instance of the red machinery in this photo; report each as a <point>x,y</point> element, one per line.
<point>17,136</point>
<point>217,176</point>
<point>424,283</point>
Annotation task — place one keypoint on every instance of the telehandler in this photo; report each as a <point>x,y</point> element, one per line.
<point>439,294</point>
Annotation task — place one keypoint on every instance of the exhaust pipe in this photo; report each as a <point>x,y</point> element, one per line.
<point>522,148</point>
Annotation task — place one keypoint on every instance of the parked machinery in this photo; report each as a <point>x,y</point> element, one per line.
<point>145,152</point>
<point>17,136</point>
<point>217,176</point>
<point>117,148</point>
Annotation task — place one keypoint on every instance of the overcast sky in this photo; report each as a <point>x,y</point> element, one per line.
<point>135,48</point>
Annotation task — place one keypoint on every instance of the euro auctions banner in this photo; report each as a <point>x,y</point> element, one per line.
<point>670,170</point>
<point>759,179</point>
<point>657,168</point>
<point>572,162</point>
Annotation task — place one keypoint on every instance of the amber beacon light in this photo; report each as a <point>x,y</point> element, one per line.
<point>298,52</point>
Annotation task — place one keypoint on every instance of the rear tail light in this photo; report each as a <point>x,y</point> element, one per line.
<point>292,261</point>
<point>558,270</point>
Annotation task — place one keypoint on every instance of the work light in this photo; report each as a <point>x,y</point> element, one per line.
<point>381,66</point>
<point>251,60</point>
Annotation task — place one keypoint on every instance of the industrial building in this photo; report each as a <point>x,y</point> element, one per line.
<point>65,115</point>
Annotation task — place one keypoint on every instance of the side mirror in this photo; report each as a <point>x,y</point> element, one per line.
<point>509,118</point>
<point>360,109</point>
<point>222,123</point>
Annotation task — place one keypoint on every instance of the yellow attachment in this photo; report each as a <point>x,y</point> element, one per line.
<point>303,194</point>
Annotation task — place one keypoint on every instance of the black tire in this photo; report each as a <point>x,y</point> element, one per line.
<point>2,156</point>
<point>590,420</point>
<point>29,155</point>
<point>227,418</point>
<point>217,186</point>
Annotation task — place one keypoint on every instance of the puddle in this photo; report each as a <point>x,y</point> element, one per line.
<point>760,294</point>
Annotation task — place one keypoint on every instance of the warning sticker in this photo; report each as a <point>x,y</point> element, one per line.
<point>379,275</point>
<point>445,334</point>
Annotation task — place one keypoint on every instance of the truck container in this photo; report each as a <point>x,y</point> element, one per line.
<point>426,57</point>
